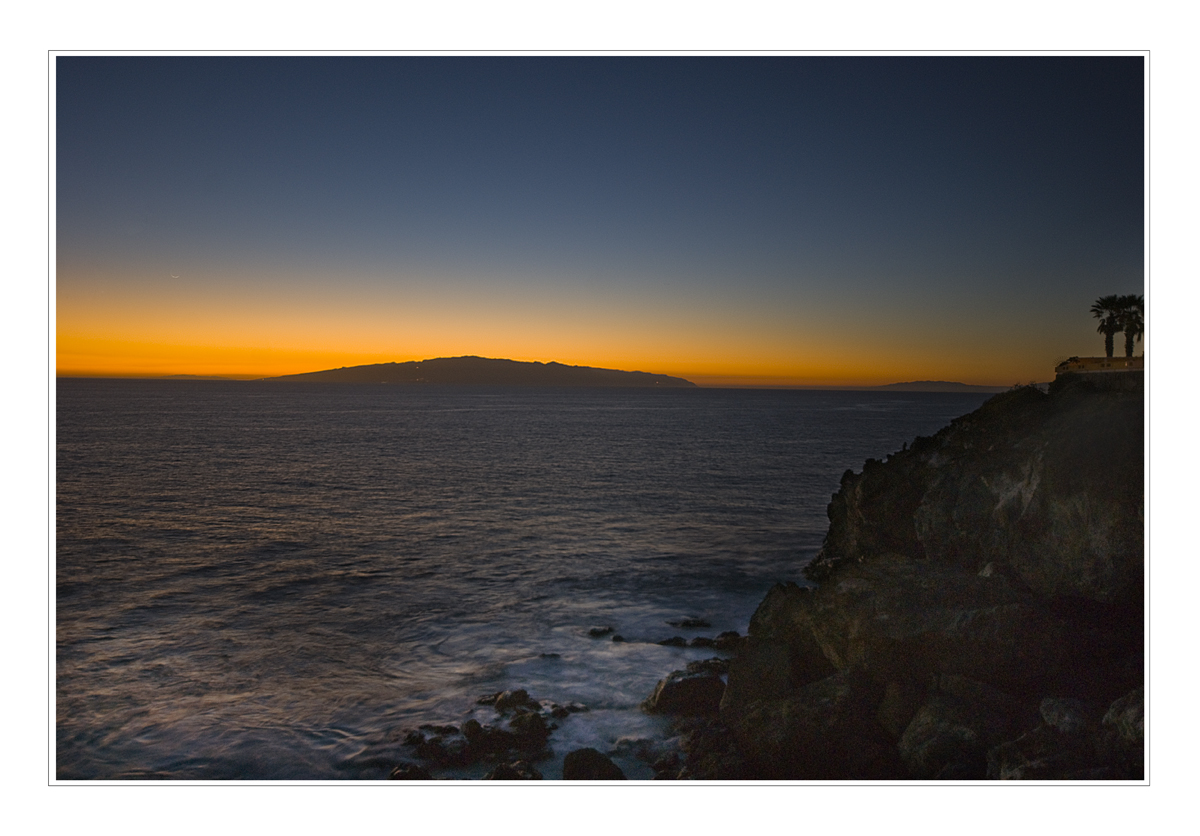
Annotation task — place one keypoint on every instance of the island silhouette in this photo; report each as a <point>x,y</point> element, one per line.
<point>939,386</point>
<point>485,371</point>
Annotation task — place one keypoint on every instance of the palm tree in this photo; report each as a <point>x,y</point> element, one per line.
<point>1108,310</point>
<point>1131,321</point>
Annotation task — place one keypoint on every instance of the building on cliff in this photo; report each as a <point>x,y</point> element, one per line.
<point>1091,365</point>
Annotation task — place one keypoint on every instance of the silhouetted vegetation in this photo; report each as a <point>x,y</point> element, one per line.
<point>1117,314</point>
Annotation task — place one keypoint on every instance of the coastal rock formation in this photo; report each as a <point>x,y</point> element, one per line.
<point>590,765</point>
<point>687,692</point>
<point>978,612</point>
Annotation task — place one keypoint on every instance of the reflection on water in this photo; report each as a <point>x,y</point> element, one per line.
<point>273,580</point>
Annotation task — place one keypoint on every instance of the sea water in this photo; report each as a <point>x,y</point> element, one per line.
<point>261,580</point>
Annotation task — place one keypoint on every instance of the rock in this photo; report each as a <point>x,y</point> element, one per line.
<point>911,619</point>
<point>714,665</point>
<point>576,707</point>
<point>439,730</point>
<point>618,638</point>
<point>1042,754</point>
<point>667,766</point>
<point>1064,714</point>
<point>701,641</point>
<point>901,701</point>
<point>1016,484</point>
<point>530,730</point>
<point>711,752</point>
<point>558,712</point>
<point>590,765</point>
<point>729,641</point>
<point>825,730</point>
<point>950,736</point>
<point>443,752</point>
<point>511,700</point>
<point>1126,715</point>
<point>597,632</point>
<point>486,740</point>
<point>674,641</point>
<point>407,771</point>
<point>686,693</point>
<point>962,581</point>
<point>515,771</point>
<point>770,669</point>
<point>689,623</point>
<point>1120,744</point>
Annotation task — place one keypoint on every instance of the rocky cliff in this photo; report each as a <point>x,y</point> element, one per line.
<point>977,611</point>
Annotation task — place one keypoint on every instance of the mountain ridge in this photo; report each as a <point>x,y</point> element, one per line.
<point>938,386</point>
<point>473,370</point>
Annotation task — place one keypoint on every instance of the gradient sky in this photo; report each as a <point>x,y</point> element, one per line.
<point>732,220</point>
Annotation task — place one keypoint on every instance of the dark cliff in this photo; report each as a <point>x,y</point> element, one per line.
<point>978,609</point>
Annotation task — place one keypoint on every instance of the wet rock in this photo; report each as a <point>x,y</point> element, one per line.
<point>530,730</point>
<point>443,752</point>
<point>516,699</point>
<point>689,623</point>
<point>515,771</point>
<point>728,641</point>
<point>486,740</point>
<point>674,641</point>
<point>439,730</point>
<point>590,765</point>
<point>597,632</point>
<point>407,771</point>
<point>577,707</point>
<point>558,712</point>
<point>686,693</point>
<point>618,638</point>
<point>701,641</point>
<point>413,738</point>
<point>489,699</point>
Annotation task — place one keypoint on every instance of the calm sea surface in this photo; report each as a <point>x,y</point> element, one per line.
<point>269,580</point>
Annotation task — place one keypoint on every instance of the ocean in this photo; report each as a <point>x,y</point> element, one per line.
<point>260,581</point>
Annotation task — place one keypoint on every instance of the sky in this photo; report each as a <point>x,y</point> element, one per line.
<point>738,221</point>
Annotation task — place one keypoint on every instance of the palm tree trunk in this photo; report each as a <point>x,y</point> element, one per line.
<point>1128,343</point>
<point>1108,344</point>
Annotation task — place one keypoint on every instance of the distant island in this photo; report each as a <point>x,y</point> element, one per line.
<point>939,386</point>
<point>483,370</point>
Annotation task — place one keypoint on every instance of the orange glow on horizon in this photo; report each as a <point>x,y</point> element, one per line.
<point>112,328</point>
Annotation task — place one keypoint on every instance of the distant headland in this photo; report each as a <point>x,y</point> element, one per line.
<point>485,371</point>
<point>939,386</point>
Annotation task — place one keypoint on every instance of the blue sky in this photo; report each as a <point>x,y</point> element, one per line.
<point>725,218</point>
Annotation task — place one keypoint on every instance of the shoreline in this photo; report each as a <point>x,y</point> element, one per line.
<point>965,623</point>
